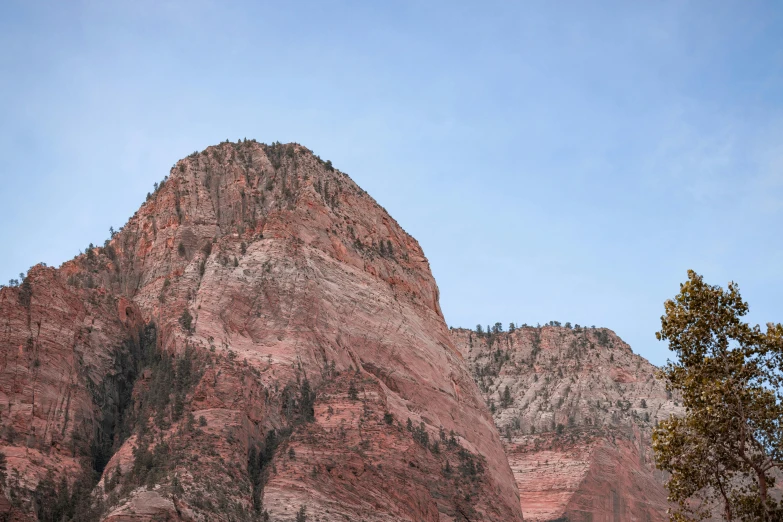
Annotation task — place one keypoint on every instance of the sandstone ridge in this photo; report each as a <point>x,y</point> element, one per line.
<point>576,408</point>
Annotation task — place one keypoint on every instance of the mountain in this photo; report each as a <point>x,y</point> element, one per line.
<point>576,408</point>
<point>261,341</point>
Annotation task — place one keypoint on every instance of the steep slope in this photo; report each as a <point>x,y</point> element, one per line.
<point>287,352</point>
<point>576,420</point>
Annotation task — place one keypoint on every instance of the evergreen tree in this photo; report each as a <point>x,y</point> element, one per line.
<point>505,399</point>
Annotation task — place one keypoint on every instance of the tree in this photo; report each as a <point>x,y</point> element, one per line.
<point>301,516</point>
<point>505,399</point>
<point>353,393</point>
<point>186,320</point>
<point>724,453</point>
<point>3,469</point>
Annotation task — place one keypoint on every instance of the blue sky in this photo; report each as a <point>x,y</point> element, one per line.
<point>556,160</point>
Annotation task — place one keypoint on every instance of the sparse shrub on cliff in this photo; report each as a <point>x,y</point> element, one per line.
<point>470,467</point>
<point>420,435</point>
<point>25,292</point>
<point>298,401</point>
<point>447,469</point>
<point>186,321</point>
<point>505,399</point>
<point>181,249</point>
<point>301,515</point>
<point>353,393</point>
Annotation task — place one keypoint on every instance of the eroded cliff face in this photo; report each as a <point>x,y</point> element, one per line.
<point>270,339</point>
<point>576,420</point>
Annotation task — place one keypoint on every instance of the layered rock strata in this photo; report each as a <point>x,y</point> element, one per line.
<point>576,408</point>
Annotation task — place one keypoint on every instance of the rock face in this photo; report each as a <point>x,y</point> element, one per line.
<point>576,420</point>
<point>260,341</point>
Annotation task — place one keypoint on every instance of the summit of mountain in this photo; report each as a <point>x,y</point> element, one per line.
<point>260,341</point>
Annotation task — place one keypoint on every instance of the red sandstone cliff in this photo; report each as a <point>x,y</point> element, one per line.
<point>259,338</point>
<point>576,422</point>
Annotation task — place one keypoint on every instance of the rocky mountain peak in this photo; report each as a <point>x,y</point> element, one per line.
<point>260,338</point>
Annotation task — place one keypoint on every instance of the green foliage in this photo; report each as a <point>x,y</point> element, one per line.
<point>25,292</point>
<point>505,399</point>
<point>55,501</point>
<point>258,460</point>
<point>725,452</point>
<point>353,393</point>
<point>186,320</point>
<point>470,467</point>
<point>3,468</point>
<point>298,401</point>
<point>420,435</point>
